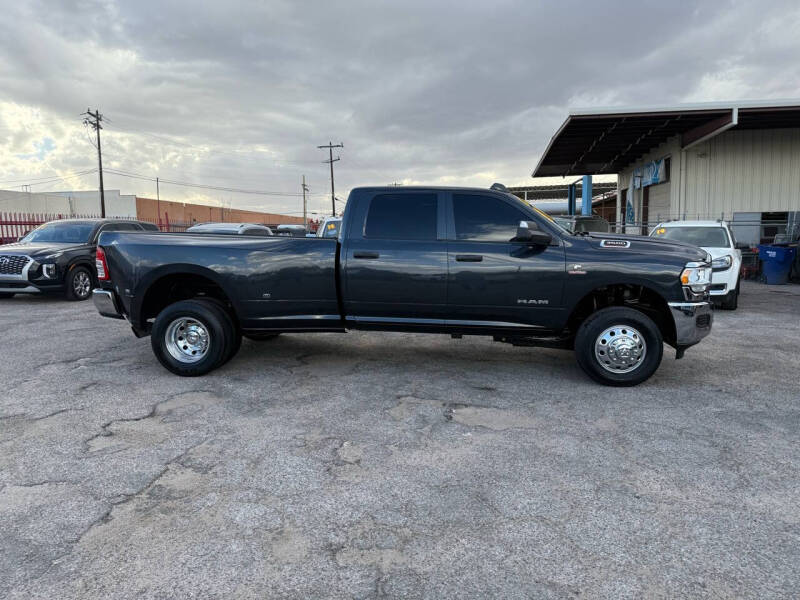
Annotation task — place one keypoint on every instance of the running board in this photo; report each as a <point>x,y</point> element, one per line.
<point>563,342</point>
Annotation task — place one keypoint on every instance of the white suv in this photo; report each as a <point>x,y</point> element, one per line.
<point>714,237</point>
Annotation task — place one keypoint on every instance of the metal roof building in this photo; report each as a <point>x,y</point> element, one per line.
<point>558,191</point>
<point>739,161</point>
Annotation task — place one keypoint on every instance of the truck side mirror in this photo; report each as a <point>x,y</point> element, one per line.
<point>529,233</point>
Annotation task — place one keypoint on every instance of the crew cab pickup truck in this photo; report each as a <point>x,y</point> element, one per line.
<point>456,261</point>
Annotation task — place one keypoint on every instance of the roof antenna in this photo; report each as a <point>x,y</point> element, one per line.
<point>499,187</point>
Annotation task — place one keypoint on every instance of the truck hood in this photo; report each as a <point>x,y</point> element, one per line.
<point>643,243</point>
<point>39,249</point>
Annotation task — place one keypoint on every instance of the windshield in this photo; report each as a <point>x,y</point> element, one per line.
<point>710,237</point>
<point>551,220</point>
<point>592,225</point>
<point>563,222</point>
<point>65,232</point>
<point>329,230</point>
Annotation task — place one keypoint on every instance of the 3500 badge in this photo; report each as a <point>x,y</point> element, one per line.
<point>615,244</point>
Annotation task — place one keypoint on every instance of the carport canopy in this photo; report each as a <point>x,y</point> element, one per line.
<point>605,141</point>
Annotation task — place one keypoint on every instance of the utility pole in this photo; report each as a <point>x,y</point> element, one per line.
<point>305,205</point>
<point>94,119</point>
<point>332,160</point>
<point>158,204</point>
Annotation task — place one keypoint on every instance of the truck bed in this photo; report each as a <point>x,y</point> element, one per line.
<point>271,282</point>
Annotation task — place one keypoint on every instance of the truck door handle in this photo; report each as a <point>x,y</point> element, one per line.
<point>469,257</point>
<point>366,255</point>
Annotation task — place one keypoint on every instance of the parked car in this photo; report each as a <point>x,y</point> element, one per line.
<point>231,229</point>
<point>716,238</point>
<point>330,227</point>
<point>58,257</point>
<point>458,261</point>
<point>291,230</point>
<point>579,223</point>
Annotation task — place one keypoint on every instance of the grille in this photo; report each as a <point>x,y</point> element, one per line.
<point>703,321</point>
<point>11,264</point>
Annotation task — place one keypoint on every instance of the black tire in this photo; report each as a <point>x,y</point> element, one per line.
<point>235,341</point>
<point>212,321</point>
<point>5,295</point>
<point>260,337</point>
<point>731,299</point>
<point>79,283</point>
<point>645,330</point>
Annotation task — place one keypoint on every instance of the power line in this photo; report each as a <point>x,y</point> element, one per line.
<point>209,148</point>
<point>38,180</point>
<point>55,179</point>
<point>217,188</point>
<point>332,160</point>
<point>93,119</point>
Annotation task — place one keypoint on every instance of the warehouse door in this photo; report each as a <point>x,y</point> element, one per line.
<point>655,206</point>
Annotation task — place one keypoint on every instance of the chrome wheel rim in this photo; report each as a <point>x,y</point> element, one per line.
<point>81,284</point>
<point>187,340</point>
<point>620,349</point>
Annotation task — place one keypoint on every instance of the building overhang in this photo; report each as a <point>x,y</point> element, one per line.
<point>605,141</point>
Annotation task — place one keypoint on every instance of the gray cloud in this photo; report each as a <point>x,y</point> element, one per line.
<point>241,93</point>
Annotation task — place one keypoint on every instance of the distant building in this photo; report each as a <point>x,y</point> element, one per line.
<point>738,161</point>
<point>68,204</point>
<point>87,203</point>
<point>150,209</point>
<point>553,198</point>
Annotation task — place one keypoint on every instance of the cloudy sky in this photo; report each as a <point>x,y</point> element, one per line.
<point>239,94</point>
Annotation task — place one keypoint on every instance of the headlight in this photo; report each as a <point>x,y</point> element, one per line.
<point>722,263</point>
<point>49,270</point>
<point>696,277</point>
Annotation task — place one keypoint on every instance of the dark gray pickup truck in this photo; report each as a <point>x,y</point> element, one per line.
<point>457,261</point>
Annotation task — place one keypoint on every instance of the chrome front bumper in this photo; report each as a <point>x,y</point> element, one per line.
<point>106,304</point>
<point>693,321</point>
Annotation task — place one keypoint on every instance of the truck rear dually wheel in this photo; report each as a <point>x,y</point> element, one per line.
<point>191,337</point>
<point>235,339</point>
<point>619,346</point>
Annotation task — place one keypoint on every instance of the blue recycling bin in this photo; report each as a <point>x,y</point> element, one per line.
<point>777,261</point>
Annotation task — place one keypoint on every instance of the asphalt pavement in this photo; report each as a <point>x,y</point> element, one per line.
<point>375,465</point>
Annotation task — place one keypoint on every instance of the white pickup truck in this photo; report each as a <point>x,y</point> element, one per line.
<point>716,238</point>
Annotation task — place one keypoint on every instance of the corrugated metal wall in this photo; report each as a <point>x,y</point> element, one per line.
<point>743,171</point>
<point>737,171</point>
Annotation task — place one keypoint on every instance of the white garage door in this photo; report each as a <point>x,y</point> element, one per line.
<point>658,205</point>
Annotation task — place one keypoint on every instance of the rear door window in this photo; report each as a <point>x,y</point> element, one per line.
<point>407,216</point>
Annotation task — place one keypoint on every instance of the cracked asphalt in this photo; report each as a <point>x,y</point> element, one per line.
<point>373,465</point>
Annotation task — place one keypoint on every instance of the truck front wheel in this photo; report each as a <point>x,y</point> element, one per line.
<point>191,337</point>
<point>619,346</point>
